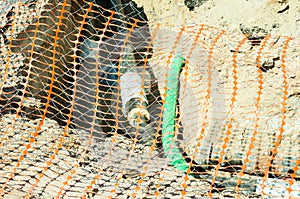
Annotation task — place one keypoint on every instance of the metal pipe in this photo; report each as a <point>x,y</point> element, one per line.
<point>133,94</point>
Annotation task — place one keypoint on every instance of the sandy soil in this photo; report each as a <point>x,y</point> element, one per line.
<point>277,17</point>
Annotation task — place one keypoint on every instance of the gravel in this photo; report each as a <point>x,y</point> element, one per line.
<point>102,176</point>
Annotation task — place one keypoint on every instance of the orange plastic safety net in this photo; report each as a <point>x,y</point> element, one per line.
<point>82,89</point>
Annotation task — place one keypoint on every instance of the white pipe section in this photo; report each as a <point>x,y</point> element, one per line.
<point>134,99</point>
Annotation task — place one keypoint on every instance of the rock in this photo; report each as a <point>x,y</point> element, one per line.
<point>191,4</point>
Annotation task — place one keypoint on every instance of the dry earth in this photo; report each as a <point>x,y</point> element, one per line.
<point>277,17</point>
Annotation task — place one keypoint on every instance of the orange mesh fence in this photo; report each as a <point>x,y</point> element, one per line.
<point>82,89</point>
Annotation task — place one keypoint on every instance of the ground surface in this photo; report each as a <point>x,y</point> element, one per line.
<point>92,164</point>
<point>277,17</point>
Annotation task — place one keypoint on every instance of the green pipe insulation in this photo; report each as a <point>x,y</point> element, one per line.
<point>170,148</point>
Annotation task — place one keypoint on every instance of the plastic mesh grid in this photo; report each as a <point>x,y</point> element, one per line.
<point>83,85</point>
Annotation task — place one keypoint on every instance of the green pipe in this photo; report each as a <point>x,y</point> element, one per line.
<point>170,148</point>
